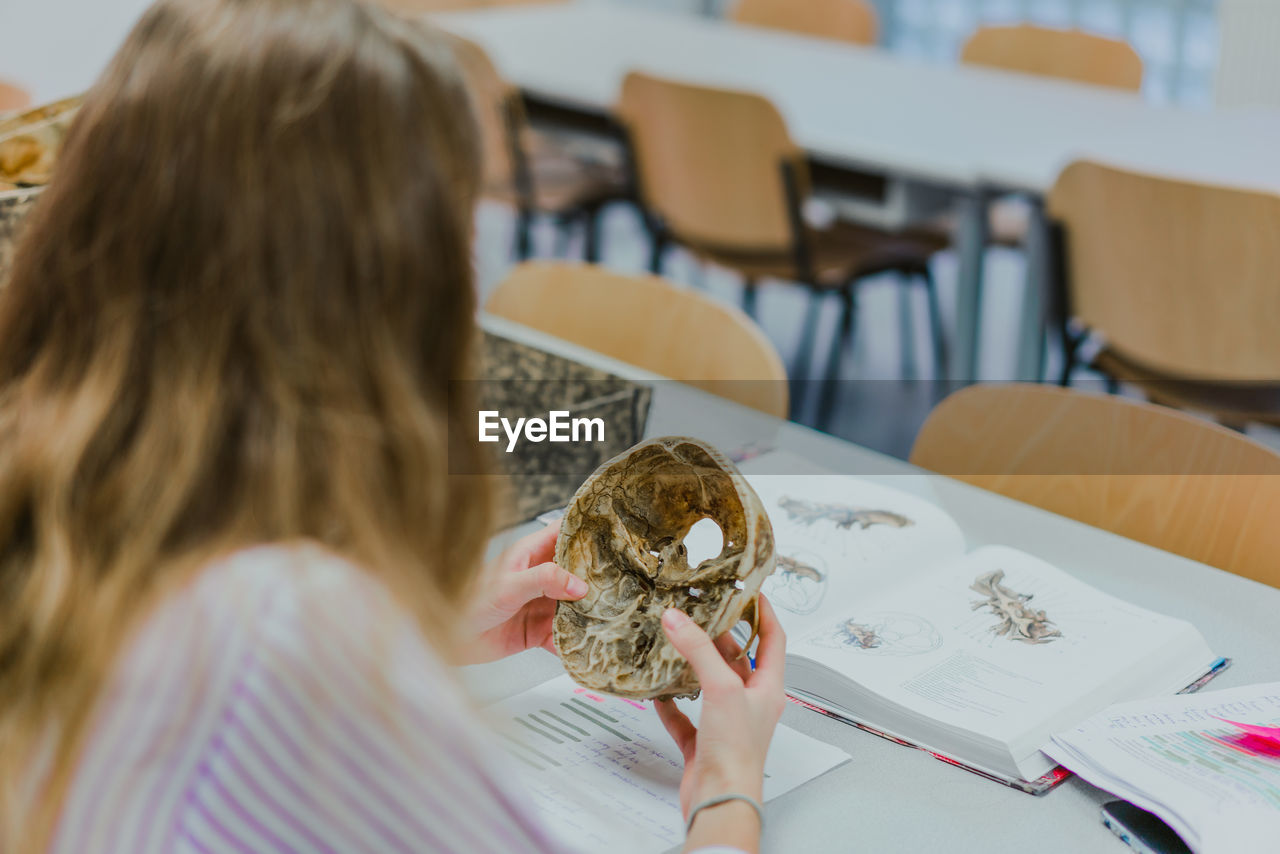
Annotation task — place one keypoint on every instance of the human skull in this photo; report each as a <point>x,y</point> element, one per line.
<point>624,535</point>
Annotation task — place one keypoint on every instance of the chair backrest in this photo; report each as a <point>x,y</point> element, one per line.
<point>1178,277</point>
<point>13,97</point>
<point>709,162</point>
<point>651,323</point>
<point>1065,54</point>
<point>494,102</point>
<point>847,20</point>
<point>1152,474</point>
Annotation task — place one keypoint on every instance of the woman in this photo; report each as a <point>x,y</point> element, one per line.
<point>232,561</point>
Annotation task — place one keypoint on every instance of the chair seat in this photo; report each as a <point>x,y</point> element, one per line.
<point>840,253</point>
<point>1232,403</point>
<point>567,176</point>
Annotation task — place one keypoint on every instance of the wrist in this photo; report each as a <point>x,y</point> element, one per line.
<point>749,782</point>
<point>734,823</point>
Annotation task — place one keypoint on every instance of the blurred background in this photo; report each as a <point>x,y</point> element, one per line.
<point>1204,74</point>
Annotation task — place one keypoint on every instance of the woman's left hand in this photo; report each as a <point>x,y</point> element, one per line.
<point>515,612</point>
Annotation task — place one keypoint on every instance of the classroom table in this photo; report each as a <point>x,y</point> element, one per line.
<point>966,132</point>
<point>890,798</point>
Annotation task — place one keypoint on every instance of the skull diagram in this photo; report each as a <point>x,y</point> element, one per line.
<point>624,535</point>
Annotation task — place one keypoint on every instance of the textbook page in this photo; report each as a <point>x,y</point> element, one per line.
<point>1218,786</point>
<point>840,539</point>
<point>1003,645</point>
<point>605,775</point>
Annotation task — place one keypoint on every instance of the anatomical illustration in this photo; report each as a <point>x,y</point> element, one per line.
<point>624,534</point>
<point>842,515</point>
<point>1015,620</point>
<point>799,583</point>
<point>888,633</point>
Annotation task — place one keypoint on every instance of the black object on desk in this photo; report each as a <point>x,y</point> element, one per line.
<point>1140,830</point>
<point>521,381</point>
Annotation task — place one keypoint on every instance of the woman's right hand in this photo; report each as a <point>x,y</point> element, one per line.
<point>740,709</point>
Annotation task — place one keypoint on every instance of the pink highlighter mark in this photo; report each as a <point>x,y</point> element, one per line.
<point>583,692</point>
<point>1268,733</point>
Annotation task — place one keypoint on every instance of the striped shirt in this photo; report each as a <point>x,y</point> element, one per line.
<point>284,703</point>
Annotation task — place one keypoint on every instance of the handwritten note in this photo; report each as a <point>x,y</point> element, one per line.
<point>604,773</point>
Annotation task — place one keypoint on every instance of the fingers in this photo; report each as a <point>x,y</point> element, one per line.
<point>679,726</point>
<point>771,654</point>
<point>546,580</point>
<point>531,550</point>
<point>732,653</point>
<point>692,642</point>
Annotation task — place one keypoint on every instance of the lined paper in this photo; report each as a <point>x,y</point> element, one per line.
<point>603,772</point>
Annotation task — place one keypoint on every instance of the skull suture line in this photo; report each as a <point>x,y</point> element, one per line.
<point>624,535</point>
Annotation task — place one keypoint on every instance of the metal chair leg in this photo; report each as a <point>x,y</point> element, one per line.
<point>800,370</point>
<point>591,233</point>
<point>906,327</point>
<point>749,297</point>
<point>524,235</point>
<point>839,346</point>
<point>656,253</point>
<point>1070,344</point>
<point>941,352</point>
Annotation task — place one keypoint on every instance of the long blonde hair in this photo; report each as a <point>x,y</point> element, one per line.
<point>232,319</point>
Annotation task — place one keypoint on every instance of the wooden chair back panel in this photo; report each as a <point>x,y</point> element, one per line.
<point>491,99</point>
<point>651,323</point>
<point>847,20</point>
<point>1145,472</point>
<point>1182,278</point>
<point>1065,54</point>
<point>709,162</point>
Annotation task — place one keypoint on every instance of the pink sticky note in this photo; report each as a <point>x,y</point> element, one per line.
<point>1271,733</point>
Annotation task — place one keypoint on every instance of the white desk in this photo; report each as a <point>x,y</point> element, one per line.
<point>968,130</point>
<point>894,799</point>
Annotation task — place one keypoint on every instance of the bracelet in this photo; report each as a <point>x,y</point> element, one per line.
<point>723,799</point>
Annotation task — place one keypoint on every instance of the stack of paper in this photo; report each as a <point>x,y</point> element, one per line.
<point>1186,759</point>
<point>606,776</point>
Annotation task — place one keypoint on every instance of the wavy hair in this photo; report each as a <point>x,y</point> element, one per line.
<point>232,319</point>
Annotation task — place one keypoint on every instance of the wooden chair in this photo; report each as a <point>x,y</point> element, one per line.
<point>847,20</point>
<point>719,174</point>
<point>13,97</point>
<point>532,171</point>
<point>1152,474</point>
<point>1064,54</point>
<point>1177,283</point>
<point>651,323</point>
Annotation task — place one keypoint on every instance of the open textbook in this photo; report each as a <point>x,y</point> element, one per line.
<point>1213,781</point>
<point>979,657</point>
<point>605,775</point>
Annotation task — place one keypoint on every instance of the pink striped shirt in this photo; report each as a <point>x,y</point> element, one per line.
<point>283,703</point>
